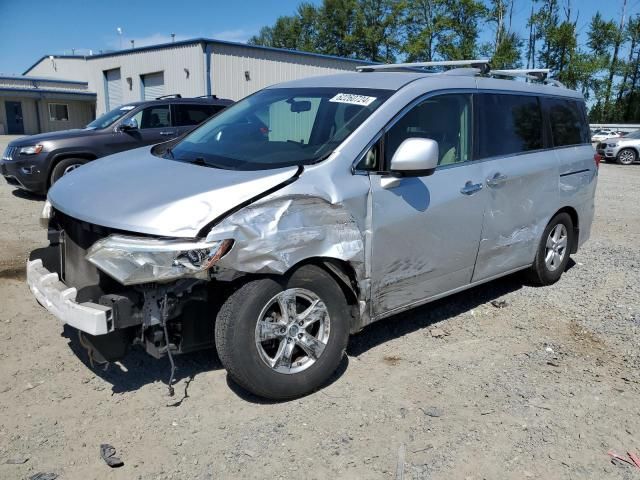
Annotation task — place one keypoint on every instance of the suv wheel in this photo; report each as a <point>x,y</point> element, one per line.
<point>283,338</point>
<point>63,167</point>
<point>553,252</point>
<point>627,156</point>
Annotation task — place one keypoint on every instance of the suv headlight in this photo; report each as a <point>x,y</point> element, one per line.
<point>135,260</point>
<point>612,145</point>
<point>30,150</point>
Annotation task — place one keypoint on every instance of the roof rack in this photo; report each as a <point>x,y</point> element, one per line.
<point>171,95</point>
<point>477,67</point>
<point>481,64</point>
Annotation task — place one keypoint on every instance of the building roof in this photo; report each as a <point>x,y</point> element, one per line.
<point>20,84</point>
<point>201,41</point>
<point>40,79</point>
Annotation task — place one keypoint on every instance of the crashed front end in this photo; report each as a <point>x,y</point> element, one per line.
<point>120,289</point>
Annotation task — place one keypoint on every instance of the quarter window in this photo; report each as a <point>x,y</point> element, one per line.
<point>508,124</point>
<point>58,112</point>
<point>445,119</point>
<point>153,117</point>
<point>186,115</point>
<point>568,122</point>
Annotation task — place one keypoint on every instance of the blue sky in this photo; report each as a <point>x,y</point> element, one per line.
<point>33,28</point>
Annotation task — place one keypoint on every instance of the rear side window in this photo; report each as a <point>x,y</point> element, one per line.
<point>508,124</point>
<point>186,115</point>
<point>568,122</point>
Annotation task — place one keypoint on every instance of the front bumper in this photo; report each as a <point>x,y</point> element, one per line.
<point>60,300</point>
<point>607,151</point>
<point>27,172</point>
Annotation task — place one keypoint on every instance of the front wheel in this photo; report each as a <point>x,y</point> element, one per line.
<point>283,338</point>
<point>553,252</point>
<point>64,167</point>
<point>627,156</point>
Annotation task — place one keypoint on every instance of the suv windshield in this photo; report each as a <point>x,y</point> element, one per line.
<point>635,134</point>
<point>279,127</point>
<point>108,118</point>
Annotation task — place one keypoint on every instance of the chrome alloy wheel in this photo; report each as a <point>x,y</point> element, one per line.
<point>71,168</point>
<point>556,248</point>
<point>627,157</point>
<point>292,330</point>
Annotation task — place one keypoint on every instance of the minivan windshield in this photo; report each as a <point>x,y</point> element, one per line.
<point>103,121</point>
<point>279,127</point>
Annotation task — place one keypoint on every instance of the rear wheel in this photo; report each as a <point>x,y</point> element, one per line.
<point>283,338</point>
<point>553,252</point>
<point>65,166</point>
<point>627,156</point>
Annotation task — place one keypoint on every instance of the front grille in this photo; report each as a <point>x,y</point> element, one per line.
<point>9,153</point>
<point>78,272</point>
<point>602,146</point>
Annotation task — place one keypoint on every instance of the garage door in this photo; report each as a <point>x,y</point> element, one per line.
<point>153,85</point>
<point>114,88</point>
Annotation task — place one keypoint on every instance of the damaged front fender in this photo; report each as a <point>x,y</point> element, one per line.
<point>273,235</point>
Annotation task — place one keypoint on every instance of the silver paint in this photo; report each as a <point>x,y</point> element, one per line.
<point>407,241</point>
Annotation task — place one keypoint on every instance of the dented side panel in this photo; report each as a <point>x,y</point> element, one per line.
<point>518,210</point>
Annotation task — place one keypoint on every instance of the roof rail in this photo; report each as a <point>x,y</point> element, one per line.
<point>470,68</point>
<point>171,95</point>
<point>481,64</point>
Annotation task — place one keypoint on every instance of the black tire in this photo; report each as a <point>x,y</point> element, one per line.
<point>627,156</point>
<point>540,273</point>
<point>236,326</point>
<point>61,168</point>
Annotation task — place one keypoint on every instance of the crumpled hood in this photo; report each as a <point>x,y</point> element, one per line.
<point>138,192</point>
<point>50,136</point>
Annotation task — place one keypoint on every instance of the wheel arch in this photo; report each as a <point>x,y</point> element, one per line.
<point>63,156</point>
<point>573,213</point>
<point>344,274</point>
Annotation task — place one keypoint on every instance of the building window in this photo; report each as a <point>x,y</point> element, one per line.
<point>58,112</point>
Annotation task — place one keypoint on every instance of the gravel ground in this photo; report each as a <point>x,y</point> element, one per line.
<point>541,388</point>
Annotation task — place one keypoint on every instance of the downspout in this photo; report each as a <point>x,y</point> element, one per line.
<point>207,67</point>
<point>37,104</point>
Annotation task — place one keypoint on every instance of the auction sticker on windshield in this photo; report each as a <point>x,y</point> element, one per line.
<point>353,99</point>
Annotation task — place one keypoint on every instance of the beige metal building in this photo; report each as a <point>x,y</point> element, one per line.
<point>30,105</point>
<point>189,68</point>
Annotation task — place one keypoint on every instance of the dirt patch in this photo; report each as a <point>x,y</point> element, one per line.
<point>540,388</point>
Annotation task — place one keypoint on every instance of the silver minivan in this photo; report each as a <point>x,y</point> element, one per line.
<point>313,208</point>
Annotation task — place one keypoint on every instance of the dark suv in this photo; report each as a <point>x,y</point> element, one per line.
<point>35,162</point>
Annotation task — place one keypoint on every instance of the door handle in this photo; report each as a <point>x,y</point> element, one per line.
<point>497,180</point>
<point>471,188</point>
<point>167,133</point>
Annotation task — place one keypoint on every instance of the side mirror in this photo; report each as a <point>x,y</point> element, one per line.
<point>128,124</point>
<point>415,157</point>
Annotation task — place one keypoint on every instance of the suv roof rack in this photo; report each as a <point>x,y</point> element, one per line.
<point>215,97</point>
<point>171,95</point>
<point>481,64</point>
<point>473,68</point>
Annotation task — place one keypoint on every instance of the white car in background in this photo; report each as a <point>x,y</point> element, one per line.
<point>625,150</point>
<point>601,135</point>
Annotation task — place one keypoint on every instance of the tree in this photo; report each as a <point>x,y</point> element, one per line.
<point>376,27</point>
<point>423,21</point>
<point>459,38</point>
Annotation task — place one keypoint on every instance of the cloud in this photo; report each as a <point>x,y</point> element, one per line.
<point>238,35</point>
<point>153,39</point>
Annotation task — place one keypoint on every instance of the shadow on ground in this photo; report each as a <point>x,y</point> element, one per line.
<point>23,194</point>
<point>139,368</point>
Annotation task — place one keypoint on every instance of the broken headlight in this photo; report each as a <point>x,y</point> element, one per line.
<point>135,260</point>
